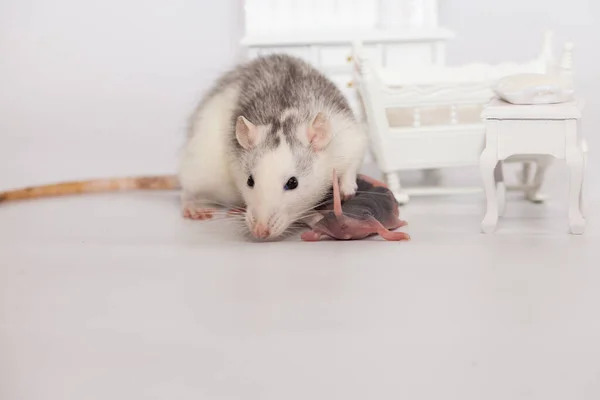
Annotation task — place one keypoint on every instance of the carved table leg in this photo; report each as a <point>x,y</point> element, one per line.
<point>525,174</point>
<point>432,176</point>
<point>532,193</point>
<point>575,161</point>
<point>487,164</point>
<point>500,187</point>
<point>584,150</point>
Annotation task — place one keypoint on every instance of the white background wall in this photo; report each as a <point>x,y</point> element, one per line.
<point>111,81</point>
<point>91,88</point>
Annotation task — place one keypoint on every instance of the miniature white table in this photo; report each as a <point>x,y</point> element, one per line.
<point>551,129</point>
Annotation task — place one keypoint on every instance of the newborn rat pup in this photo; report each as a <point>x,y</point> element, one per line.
<point>373,210</point>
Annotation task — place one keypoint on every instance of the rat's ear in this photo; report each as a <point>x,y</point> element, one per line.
<point>319,132</point>
<point>246,133</point>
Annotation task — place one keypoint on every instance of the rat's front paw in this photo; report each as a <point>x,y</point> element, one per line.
<point>195,212</point>
<point>348,188</point>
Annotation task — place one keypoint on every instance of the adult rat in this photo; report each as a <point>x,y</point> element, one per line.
<point>266,137</point>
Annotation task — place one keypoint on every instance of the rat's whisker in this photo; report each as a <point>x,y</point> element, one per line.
<point>217,217</point>
<point>298,217</point>
<point>292,231</point>
<point>208,202</point>
<point>213,221</point>
<point>314,207</point>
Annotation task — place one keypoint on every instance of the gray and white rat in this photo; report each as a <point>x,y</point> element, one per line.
<point>266,137</point>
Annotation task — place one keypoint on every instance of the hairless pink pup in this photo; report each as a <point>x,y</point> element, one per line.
<point>372,211</point>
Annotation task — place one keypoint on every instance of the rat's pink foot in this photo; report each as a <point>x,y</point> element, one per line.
<point>198,213</point>
<point>311,236</point>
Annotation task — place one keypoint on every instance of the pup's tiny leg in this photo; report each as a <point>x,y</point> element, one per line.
<point>193,208</point>
<point>388,235</point>
<point>311,236</point>
<point>393,236</point>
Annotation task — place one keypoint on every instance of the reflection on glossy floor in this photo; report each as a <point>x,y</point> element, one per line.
<point>117,297</point>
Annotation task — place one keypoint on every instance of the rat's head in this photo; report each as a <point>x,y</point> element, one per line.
<point>282,171</point>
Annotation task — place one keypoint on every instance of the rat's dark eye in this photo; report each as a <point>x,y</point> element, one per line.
<point>250,181</point>
<point>291,184</point>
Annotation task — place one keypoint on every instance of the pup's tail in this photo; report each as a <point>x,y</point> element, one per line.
<point>337,199</point>
<point>158,182</point>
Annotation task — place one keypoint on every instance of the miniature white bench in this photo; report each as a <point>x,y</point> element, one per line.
<point>552,129</point>
<point>429,117</point>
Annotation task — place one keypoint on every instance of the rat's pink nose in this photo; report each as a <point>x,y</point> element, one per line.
<point>261,231</point>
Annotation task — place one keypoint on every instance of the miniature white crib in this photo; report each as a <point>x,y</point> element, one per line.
<point>428,118</point>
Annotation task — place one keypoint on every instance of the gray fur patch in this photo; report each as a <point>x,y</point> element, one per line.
<point>284,92</point>
<point>272,84</point>
<point>284,128</point>
<point>304,160</point>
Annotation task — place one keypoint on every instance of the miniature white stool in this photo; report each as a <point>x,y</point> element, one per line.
<point>550,129</point>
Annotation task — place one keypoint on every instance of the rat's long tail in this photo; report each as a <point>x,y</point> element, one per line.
<point>157,182</point>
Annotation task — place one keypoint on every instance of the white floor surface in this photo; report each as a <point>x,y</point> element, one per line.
<point>117,297</point>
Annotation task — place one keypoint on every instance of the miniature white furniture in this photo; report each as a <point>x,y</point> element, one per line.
<point>331,52</point>
<point>552,129</point>
<point>407,13</point>
<point>276,16</point>
<point>429,117</point>
<point>322,33</point>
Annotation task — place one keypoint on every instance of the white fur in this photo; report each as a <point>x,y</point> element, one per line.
<point>346,152</point>
<point>208,174</point>
<point>204,173</point>
<point>268,204</point>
